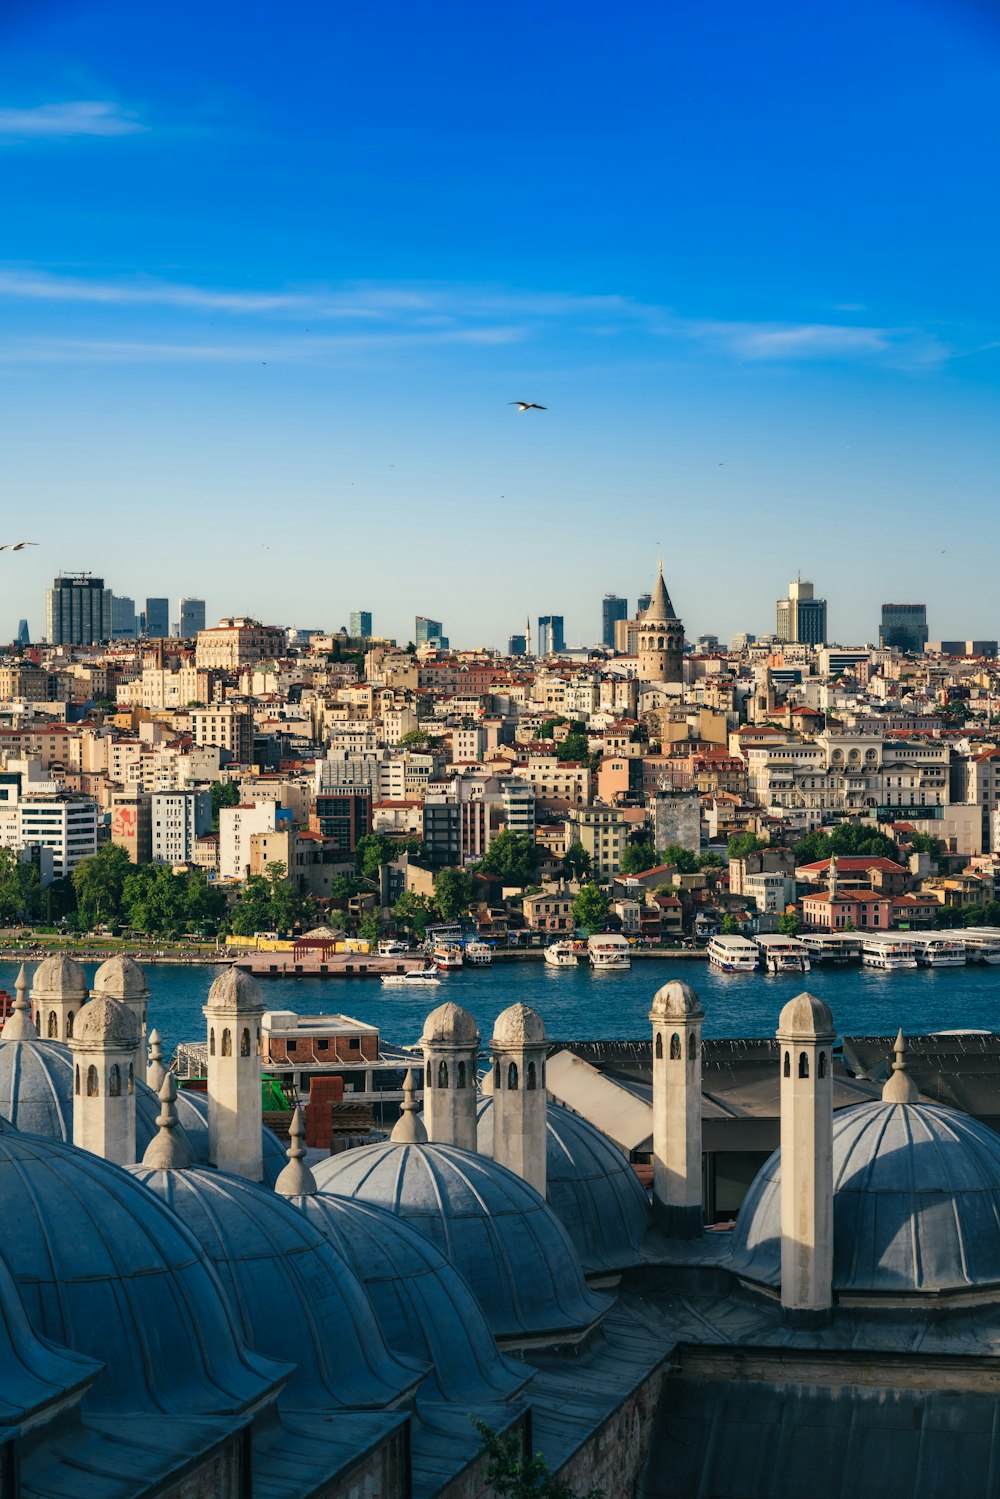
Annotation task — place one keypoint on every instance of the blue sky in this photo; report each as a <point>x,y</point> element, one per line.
<point>270,275</point>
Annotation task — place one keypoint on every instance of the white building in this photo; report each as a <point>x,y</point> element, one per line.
<point>179,818</point>
<point>65,824</point>
<point>237,826</point>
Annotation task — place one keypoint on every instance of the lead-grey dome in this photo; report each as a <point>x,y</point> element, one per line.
<point>916,1205</point>
<point>105,1269</point>
<point>293,1297</point>
<point>590,1186</point>
<point>493,1226</point>
<point>36,1095</point>
<point>423,1305</point>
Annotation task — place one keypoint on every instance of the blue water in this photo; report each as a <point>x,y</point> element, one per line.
<point>582,1005</point>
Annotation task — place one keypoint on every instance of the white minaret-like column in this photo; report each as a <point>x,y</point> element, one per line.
<point>677,1016</point>
<point>520,1102</point>
<point>58,992</point>
<point>450,1044</point>
<point>235,1111</point>
<point>155,1070</point>
<point>19,1025</point>
<point>121,978</point>
<point>103,1048</point>
<point>805,1041</point>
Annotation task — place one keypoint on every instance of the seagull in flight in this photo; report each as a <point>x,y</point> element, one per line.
<point>17,546</point>
<point>527,406</point>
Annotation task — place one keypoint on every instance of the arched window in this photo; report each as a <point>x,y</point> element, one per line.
<point>692,1047</point>
<point>788,1064</point>
<point>430,1079</point>
<point>442,1074</point>
<point>659,1047</point>
<point>245,1042</point>
<point>258,1040</point>
<point>675,1047</point>
<point>803,1064</point>
<point>131,1078</point>
<point>115,1081</point>
<point>211,1041</point>
<point>496,1076</point>
<point>460,1079</point>
<point>512,1077</point>
<point>53,1026</point>
<point>822,1064</point>
<point>77,1086</point>
<point>227,1043</point>
<point>532,1082</point>
<point>69,1025</point>
<point>92,1084</point>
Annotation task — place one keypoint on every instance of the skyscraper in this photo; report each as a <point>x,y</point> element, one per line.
<point>801,618</point>
<point>642,604</point>
<point>428,632</point>
<point>551,639</point>
<point>904,626</point>
<point>77,610</point>
<point>23,633</point>
<point>612,609</point>
<point>361,624</point>
<point>192,617</point>
<point>157,619</point>
<point>517,645</point>
<point>123,620</point>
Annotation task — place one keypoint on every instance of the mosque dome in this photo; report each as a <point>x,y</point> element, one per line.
<point>916,1202</point>
<point>293,1297</point>
<point>590,1187</point>
<point>519,1025</point>
<point>423,1305</point>
<point>104,1269</point>
<point>36,1095</point>
<point>494,1227</point>
<point>59,977</point>
<point>120,977</point>
<point>235,990</point>
<point>451,1024</point>
<point>676,1001</point>
<point>107,1022</point>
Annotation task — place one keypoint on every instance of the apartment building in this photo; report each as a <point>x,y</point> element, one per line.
<point>237,826</point>
<point>237,642</point>
<point>602,832</point>
<point>229,726</point>
<point>178,819</point>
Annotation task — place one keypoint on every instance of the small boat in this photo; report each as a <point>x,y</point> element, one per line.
<point>422,977</point>
<point>478,954</point>
<point>446,957</point>
<point>561,955</point>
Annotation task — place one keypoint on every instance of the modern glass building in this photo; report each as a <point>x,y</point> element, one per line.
<point>78,610</point>
<point>551,639</point>
<point>361,624</point>
<point>801,618</point>
<point>157,619</point>
<point>904,627</point>
<point>192,617</point>
<point>612,609</point>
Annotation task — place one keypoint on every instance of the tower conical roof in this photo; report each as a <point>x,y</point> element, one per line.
<point>660,606</point>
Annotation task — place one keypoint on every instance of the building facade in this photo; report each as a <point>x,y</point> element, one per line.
<point>191,616</point>
<point>551,635</point>
<point>612,609</point>
<point>178,820</point>
<point>78,610</point>
<point>903,627</point>
<point>157,621</point>
<point>360,624</point>
<point>801,617</point>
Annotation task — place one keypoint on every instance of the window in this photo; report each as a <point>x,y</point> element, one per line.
<point>787,1069</point>
<point>227,1043</point>
<point>460,1080</point>
<point>822,1064</point>
<point>659,1047</point>
<point>675,1047</point>
<point>512,1077</point>
<point>115,1081</point>
<point>442,1074</point>
<point>692,1047</point>
<point>76,1086</point>
<point>211,1041</point>
<point>92,1084</point>
<point>53,1026</point>
<point>429,1078</point>
<point>69,1025</point>
<point>532,1077</point>
<point>245,1043</point>
<point>803,1064</point>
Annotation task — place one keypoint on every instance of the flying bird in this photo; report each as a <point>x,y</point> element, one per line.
<point>527,406</point>
<point>16,546</point>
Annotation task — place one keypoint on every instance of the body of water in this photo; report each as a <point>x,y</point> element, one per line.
<point>582,1005</point>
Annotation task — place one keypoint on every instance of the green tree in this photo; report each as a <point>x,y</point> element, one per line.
<point>511,1474</point>
<point>575,746</point>
<point>252,912</point>
<point>342,888</point>
<point>98,882</point>
<point>415,912</point>
<point>730,926</point>
<point>709,861</point>
<point>577,862</point>
<point>511,858</point>
<point>849,838</point>
<point>991,913</point>
<point>414,738</point>
<point>948,916</point>
<point>590,908</point>
<point>638,857</point>
<point>452,893</point>
<point>548,728</point>
<point>789,924</point>
<point>20,888</point>
<point>223,794</point>
<point>371,929</point>
<point>681,859</point>
<point>371,852</point>
<point>742,845</point>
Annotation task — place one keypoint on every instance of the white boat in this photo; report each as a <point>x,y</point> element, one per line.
<point>422,977</point>
<point>833,947</point>
<point>446,957</point>
<point>888,952</point>
<point>733,954</point>
<point>561,955</point>
<point>982,944</point>
<point>783,954</point>
<point>478,954</point>
<point>940,952</point>
<point>608,950</point>
<point>391,947</point>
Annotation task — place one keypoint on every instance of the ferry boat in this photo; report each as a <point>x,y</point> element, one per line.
<point>733,954</point>
<point>422,977</point>
<point>561,955</point>
<point>779,954</point>
<point>833,947</point>
<point>940,952</point>
<point>608,950</point>
<point>446,957</point>
<point>477,954</point>
<point>885,950</point>
<point>982,944</point>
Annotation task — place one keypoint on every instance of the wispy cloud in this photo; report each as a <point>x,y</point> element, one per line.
<point>75,117</point>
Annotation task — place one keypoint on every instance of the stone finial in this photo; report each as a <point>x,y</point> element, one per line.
<point>900,1087</point>
<point>409,1127</point>
<point>296,1179</point>
<point>169,1149</point>
<point>19,1025</point>
<point>155,1070</point>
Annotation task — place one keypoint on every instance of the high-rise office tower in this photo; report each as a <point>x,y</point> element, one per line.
<point>642,604</point>
<point>612,609</point>
<point>192,617</point>
<point>904,627</point>
<point>123,620</point>
<point>801,618</point>
<point>361,624</point>
<point>23,633</point>
<point>517,645</point>
<point>551,639</point>
<point>157,619</point>
<point>428,632</point>
<point>77,610</point>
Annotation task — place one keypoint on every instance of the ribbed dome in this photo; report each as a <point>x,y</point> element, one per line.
<point>36,1095</point>
<point>676,1001</point>
<point>425,1309</point>
<point>104,1269</point>
<point>33,1373</point>
<point>519,1025</point>
<point>121,978</point>
<point>501,1235</point>
<point>107,1022</point>
<point>60,977</point>
<point>451,1024</point>
<point>591,1188</point>
<point>235,989</point>
<point>293,1296</point>
<point>916,1204</point>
